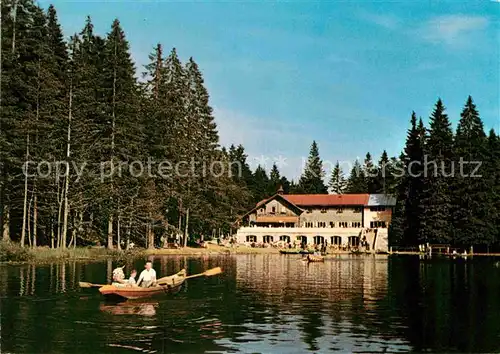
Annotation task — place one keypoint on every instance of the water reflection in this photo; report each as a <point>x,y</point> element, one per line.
<point>328,305</point>
<point>130,308</point>
<point>261,303</point>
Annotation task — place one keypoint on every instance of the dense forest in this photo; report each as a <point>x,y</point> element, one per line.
<point>85,147</point>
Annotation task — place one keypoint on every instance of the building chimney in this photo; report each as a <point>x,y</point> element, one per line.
<point>280,190</point>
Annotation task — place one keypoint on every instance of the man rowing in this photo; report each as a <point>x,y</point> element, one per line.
<point>148,276</point>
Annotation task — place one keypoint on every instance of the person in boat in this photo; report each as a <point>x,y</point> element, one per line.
<point>131,280</point>
<point>119,278</point>
<point>148,276</point>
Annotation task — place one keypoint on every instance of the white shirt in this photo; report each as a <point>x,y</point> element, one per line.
<point>147,275</point>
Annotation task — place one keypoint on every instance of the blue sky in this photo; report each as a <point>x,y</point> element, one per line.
<point>346,74</point>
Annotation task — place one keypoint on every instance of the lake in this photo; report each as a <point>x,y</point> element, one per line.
<point>259,304</point>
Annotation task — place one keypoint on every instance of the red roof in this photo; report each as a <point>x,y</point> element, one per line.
<point>327,199</point>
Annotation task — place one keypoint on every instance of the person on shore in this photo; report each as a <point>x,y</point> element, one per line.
<point>148,276</point>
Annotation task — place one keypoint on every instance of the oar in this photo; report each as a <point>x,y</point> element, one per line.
<point>84,284</point>
<point>207,273</point>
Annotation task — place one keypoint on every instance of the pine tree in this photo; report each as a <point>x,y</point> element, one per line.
<point>436,202</point>
<point>371,172</point>
<point>311,181</point>
<point>471,202</point>
<point>260,185</point>
<point>338,183</point>
<point>275,180</point>
<point>121,133</point>
<point>356,182</point>
<point>406,223</point>
<point>383,174</point>
<point>208,138</point>
<point>492,176</point>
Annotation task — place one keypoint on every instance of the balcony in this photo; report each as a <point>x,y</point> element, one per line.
<point>275,219</point>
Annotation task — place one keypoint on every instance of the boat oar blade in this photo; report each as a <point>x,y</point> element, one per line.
<point>213,271</point>
<point>84,284</point>
<point>207,273</point>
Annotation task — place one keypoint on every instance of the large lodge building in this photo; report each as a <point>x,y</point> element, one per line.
<point>337,219</point>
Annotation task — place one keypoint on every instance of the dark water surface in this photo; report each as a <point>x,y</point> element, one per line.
<point>260,304</point>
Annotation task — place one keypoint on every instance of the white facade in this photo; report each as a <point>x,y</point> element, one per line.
<point>377,238</point>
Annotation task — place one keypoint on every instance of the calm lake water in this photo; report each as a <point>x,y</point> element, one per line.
<point>260,304</point>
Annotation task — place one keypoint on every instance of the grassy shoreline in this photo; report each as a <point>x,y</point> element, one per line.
<point>13,253</point>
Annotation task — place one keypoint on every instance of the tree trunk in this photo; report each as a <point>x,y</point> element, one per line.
<point>60,198</point>
<point>179,228</point>
<point>80,227</point>
<point>3,208</point>
<point>6,224</point>
<point>73,238</point>
<point>129,229</point>
<point>68,150</point>
<point>151,239</point>
<point>110,232</point>
<point>186,232</point>
<point>35,218</point>
<point>52,235</point>
<point>23,230</point>
<point>118,240</point>
<point>14,17</point>
<point>29,221</point>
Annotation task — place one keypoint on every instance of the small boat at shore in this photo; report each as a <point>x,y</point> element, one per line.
<point>290,251</point>
<point>165,285</point>
<point>313,258</point>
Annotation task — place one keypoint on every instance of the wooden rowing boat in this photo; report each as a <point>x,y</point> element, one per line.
<point>167,285</point>
<point>313,258</point>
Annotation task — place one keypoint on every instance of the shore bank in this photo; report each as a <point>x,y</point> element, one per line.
<point>12,253</point>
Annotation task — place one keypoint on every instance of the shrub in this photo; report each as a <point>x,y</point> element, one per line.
<point>13,252</point>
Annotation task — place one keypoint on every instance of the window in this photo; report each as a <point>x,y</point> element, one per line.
<point>309,224</point>
<point>268,239</point>
<point>336,240</point>
<point>323,210</point>
<point>340,210</point>
<point>262,210</point>
<point>343,224</point>
<point>273,210</point>
<point>251,238</point>
<point>356,224</point>
<point>321,224</point>
<point>332,223</point>
<point>377,208</point>
<point>377,224</point>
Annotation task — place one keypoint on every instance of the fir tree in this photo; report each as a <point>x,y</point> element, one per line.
<point>338,183</point>
<point>389,172</point>
<point>492,176</point>
<point>408,211</point>
<point>471,200</point>
<point>275,180</point>
<point>371,173</point>
<point>356,182</point>
<point>121,132</point>
<point>260,185</point>
<point>436,202</point>
<point>311,181</point>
